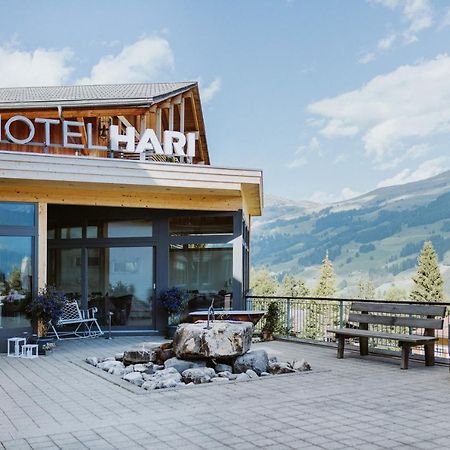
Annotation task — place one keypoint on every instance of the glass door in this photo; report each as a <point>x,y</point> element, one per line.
<point>119,280</point>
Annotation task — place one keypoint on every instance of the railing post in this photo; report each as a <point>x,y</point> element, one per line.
<point>288,315</point>
<point>341,313</point>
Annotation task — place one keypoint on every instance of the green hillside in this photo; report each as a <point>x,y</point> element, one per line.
<point>377,236</point>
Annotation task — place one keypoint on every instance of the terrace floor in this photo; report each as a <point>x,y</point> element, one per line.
<point>363,403</point>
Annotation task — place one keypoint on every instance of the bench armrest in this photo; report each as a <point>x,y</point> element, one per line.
<point>89,313</point>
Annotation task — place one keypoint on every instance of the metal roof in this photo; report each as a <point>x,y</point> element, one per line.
<point>139,94</point>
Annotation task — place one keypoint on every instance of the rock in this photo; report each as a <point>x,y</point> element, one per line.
<point>276,368</point>
<point>108,358</point>
<point>129,369</point>
<point>107,365</point>
<point>160,356</point>
<point>225,339</point>
<point>256,360</point>
<point>118,356</point>
<point>219,380</point>
<point>134,378</point>
<point>223,368</point>
<point>149,385</point>
<point>273,359</point>
<point>140,354</point>
<point>251,374</point>
<point>118,371</point>
<point>92,360</point>
<point>147,368</point>
<point>233,376</point>
<point>242,377</point>
<point>157,367</point>
<point>301,366</point>
<point>225,374</point>
<point>199,375</point>
<point>265,374</point>
<point>162,379</point>
<point>181,364</point>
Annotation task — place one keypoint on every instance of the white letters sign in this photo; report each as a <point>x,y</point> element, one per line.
<point>174,143</point>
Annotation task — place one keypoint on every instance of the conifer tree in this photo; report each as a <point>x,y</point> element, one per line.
<point>428,284</point>
<point>292,286</point>
<point>395,293</point>
<point>318,315</point>
<point>263,283</point>
<point>366,290</point>
<point>326,287</point>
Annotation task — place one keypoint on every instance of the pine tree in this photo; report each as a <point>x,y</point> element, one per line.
<point>366,290</point>
<point>292,286</point>
<point>428,284</point>
<point>395,293</point>
<point>262,283</point>
<point>318,315</point>
<point>326,287</point>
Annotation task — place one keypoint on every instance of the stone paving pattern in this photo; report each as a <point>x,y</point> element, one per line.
<point>362,403</point>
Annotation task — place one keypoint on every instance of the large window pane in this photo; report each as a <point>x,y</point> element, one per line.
<point>64,270</point>
<point>129,228</point>
<point>205,271</point>
<point>200,225</point>
<point>16,277</point>
<point>120,280</point>
<point>21,214</point>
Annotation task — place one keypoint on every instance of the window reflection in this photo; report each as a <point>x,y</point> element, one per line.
<point>200,225</point>
<point>205,271</point>
<point>16,277</point>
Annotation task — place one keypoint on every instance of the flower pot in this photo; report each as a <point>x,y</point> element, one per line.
<point>41,342</point>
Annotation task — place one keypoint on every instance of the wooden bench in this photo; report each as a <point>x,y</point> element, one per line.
<point>426,317</point>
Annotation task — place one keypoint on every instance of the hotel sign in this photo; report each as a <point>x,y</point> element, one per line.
<point>174,143</point>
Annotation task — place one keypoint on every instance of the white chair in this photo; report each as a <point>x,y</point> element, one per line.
<point>85,322</point>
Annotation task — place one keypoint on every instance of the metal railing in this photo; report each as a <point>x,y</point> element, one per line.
<point>307,318</point>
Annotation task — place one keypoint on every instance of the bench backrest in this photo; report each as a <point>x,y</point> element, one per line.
<point>71,311</point>
<point>429,317</point>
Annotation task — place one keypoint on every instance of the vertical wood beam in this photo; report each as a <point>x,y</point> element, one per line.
<point>42,245</point>
<point>182,114</point>
<point>171,116</point>
<point>158,123</point>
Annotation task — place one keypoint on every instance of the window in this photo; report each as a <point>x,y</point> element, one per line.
<point>200,225</point>
<point>17,230</point>
<point>129,228</point>
<point>205,271</point>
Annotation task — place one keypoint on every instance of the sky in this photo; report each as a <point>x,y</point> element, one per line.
<point>330,98</point>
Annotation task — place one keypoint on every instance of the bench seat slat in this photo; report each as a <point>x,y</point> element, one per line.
<point>399,308</point>
<point>397,321</point>
<point>410,338</point>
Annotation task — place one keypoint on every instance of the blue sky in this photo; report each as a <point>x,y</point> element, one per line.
<point>329,98</point>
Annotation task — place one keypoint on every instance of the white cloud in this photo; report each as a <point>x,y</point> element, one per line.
<point>366,58</point>
<point>210,91</point>
<point>445,22</point>
<point>296,163</point>
<point>324,197</point>
<point>386,42</point>
<point>417,15</point>
<point>410,103</point>
<point>414,152</point>
<point>140,62</point>
<point>426,170</point>
<point>40,67</point>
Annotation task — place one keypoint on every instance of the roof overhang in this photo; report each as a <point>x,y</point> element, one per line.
<point>103,181</point>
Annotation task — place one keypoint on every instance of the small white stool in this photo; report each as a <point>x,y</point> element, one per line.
<point>17,341</point>
<point>29,351</point>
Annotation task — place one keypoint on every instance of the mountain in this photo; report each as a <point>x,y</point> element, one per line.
<point>377,235</point>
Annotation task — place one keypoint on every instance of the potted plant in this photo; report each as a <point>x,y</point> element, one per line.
<point>43,308</point>
<point>271,322</point>
<point>173,301</point>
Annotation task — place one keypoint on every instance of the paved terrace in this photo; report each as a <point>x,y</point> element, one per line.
<point>363,403</point>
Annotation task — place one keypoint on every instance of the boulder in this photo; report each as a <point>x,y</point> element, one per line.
<point>265,374</point>
<point>301,366</point>
<point>118,356</point>
<point>92,360</point>
<point>140,354</point>
<point>219,380</point>
<point>134,378</point>
<point>225,374</point>
<point>198,375</point>
<point>256,360</point>
<point>223,340</point>
<point>223,368</point>
<point>181,364</point>
<point>162,379</point>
